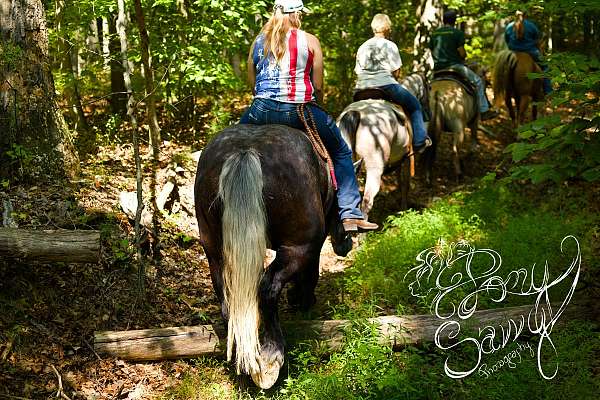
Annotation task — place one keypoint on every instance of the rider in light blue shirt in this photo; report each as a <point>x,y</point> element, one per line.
<point>523,35</point>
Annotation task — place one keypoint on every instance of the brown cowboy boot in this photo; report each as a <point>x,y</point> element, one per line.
<point>358,225</point>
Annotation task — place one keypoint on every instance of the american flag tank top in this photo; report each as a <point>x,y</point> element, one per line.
<point>290,80</point>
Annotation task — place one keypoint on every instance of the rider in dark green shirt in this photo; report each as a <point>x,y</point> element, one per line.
<point>448,51</point>
<point>444,46</point>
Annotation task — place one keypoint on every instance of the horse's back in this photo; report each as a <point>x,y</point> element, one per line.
<point>295,182</point>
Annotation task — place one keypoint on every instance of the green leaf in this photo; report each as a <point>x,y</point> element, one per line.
<point>520,151</point>
<point>592,174</point>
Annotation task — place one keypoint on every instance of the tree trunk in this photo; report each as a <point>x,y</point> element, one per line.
<point>194,341</point>
<point>587,32</point>
<point>100,33</point>
<point>50,246</point>
<point>499,42</point>
<point>149,80</point>
<point>430,15</point>
<point>121,28</point>
<point>118,97</point>
<point>29,117</point>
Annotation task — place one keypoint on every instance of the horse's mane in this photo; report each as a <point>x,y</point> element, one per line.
<point>505,63</point>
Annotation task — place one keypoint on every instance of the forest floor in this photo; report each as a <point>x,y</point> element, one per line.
<point>49,313</point>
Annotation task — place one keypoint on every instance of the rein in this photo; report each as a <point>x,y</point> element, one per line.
<point>315,139</point>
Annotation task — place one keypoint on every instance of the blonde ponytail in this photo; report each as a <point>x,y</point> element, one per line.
<point>519,26</point>
<point>275,31</point>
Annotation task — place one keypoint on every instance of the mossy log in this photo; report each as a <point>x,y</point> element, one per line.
<point>50,246</point>
<point>194,341</point>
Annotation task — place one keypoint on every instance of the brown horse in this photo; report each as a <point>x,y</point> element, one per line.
<point>453,110</point>
<point>511,81</point>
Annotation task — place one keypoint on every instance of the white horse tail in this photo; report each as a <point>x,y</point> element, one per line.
<point>348,126</point>
<point>244,246</point>
<point>504,65</point>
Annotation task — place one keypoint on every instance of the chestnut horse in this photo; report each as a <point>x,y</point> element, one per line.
<point>259,187</point>
<point>511,81</point>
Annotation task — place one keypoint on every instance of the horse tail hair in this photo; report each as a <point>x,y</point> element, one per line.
<point>505,63</point>
<point>348,126</point>
<point>519,25</point>
<point>244,246</point>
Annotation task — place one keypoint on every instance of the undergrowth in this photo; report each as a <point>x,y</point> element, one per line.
<point>525,229</point>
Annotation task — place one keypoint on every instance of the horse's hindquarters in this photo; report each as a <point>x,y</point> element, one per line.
<point>259,184</point>
<point>453,111</point>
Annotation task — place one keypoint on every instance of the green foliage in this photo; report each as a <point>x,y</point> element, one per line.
<point>19,158</point>
<point>10,55</point>
<point>523,232</point>
<point>221,118</point>
<point>205,384</point>
<point>557,150</point>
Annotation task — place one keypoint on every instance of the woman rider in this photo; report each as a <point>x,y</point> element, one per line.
<point>523,35</point>
<point>285,67</point>
<point>378,65</point>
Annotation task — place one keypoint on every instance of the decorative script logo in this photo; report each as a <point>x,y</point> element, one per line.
<point>450,269</point>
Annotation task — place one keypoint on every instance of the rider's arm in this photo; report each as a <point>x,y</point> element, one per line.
<point>394,60</point>
<point>538,38</point>
<point>317,71</point>
<point>251,68</point>
<point>459,36</point>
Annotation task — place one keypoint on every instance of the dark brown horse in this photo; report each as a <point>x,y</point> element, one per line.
<point>260,187</point>
<point>511,82</point>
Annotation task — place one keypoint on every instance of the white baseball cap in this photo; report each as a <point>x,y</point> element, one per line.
<point>290,6</point>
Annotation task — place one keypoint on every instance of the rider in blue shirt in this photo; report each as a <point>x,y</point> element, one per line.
<point>523,35</point>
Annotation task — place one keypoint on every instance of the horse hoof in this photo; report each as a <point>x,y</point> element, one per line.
<point>269,370</point>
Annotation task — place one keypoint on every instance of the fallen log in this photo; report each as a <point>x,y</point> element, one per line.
<point>50,245</point>
<point>194,341</point>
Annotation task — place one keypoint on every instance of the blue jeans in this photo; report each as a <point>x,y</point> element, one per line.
<point>476,79</point>
<point>398,94</point>
<point>266,111</point>
<point>537,57</point>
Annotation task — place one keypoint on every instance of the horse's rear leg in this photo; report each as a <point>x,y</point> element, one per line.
<point>403,176</point>
<point>372,186</point>
<point>457,141</point>
<point>534,111</point>
<point>290,261</point>
<point>213,249</point>
<point>302,293</point>
<point>511,110</point>
<point>523,105</point>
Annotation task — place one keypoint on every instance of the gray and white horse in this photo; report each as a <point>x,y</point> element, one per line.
<point>380,133</point>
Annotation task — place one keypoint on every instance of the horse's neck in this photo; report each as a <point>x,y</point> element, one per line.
<point>415,84</point>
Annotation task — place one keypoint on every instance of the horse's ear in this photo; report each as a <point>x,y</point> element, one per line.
<point>357,165</point>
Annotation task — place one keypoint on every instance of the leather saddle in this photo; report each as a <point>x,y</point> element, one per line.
<point>378,94</point>
<point>451,74</point>
<point>371,93</point>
